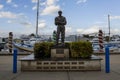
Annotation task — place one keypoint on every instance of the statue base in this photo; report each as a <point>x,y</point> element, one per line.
<point>29,63</point>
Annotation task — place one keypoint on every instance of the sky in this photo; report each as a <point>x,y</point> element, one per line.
<point>83,16</point>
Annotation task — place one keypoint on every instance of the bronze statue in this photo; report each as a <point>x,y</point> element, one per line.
<point>60,22</point>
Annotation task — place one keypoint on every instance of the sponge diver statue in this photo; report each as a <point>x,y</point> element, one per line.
<point>60,22</point>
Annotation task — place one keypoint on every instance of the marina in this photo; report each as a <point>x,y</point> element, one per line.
<point>27,45</point>
<point>59,40</point>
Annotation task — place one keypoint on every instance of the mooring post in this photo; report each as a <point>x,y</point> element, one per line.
<point>10,42</point>
<point>107,60</point>
<point>15,61</point>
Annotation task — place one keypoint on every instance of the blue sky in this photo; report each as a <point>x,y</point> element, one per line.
<point>83,16</point>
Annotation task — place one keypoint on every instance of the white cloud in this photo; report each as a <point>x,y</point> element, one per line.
<point>51,2</point>
<point>50,10</point>
<point>15,5</point>
<point>7,14</point>
<point>50,7</point>
<point>34,7</point>
<point>42,3</point>
<point>34,1</point>
<point>115,31</point>
<point>10,21</point>
<point>9,1</point>
<point>99,22</point>
<point>93,29</point>
<point>3,33</point>
<point>19,19</point>
<point>1,6</point>
<point>114,17</point>
<point>81,1</point>
<point>42,24</point>
<point>68,29</point>
<point>22,16</point>
<point>24,23</point>
<point>25,6</point>
<point>79,31</point>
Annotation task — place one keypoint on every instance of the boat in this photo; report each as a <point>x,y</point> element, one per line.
<point>28,45</point>
<point>24,47</point>
<point>114,45</point>
<point>2,43</point>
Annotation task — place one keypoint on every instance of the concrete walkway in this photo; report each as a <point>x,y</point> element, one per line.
<point>6,72</point>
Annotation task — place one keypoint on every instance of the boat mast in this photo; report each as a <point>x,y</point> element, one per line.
<point>37,18</point>
<point>109,25</point>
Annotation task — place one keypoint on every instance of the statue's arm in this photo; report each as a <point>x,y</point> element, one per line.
<point>65,22</point>
<point>56,21</point>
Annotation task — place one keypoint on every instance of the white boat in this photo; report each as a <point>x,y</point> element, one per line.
<point>116,41</point>
<point>28,45</point>
<point>24,47</point>
<point>32,41</point>
<point>113,45</point>
<point>94,41</point>
<point>2,43</point>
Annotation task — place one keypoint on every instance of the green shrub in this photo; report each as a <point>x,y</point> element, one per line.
<point>42,50</point>
<point>81,49</point>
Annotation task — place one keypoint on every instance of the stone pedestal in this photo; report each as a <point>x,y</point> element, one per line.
<point>29,63</point>
<point>59,51</point>
<point>60,61</point>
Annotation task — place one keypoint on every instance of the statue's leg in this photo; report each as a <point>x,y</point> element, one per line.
<point>57,35</point>
<point>63,34</point>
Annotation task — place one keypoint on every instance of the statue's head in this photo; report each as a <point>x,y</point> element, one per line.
<point>60,12</point>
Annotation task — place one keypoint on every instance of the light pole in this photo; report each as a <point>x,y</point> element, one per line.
<point>37,17</point>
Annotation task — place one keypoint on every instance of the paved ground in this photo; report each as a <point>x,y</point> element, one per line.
<point>6,72</point>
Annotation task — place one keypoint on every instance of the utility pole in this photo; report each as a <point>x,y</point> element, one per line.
<point>37,18</point>
<point>109,25</point>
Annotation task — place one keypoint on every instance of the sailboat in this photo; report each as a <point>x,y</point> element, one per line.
<point>29,47</point>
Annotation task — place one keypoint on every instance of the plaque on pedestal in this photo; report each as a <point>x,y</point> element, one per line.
<point>59,52</point>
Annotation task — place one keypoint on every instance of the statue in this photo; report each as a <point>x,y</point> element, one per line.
<point>60,22</point>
